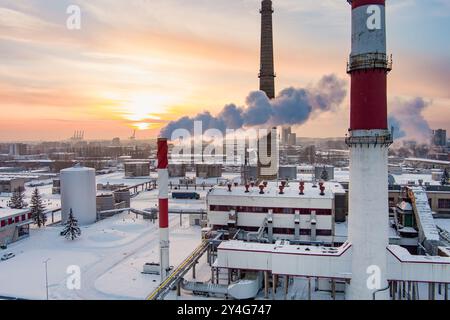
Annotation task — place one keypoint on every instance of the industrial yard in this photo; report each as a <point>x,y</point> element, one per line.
<point>242,204</point>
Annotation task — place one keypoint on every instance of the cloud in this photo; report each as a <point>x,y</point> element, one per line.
<point>408,120</point>
<point>291,107</point>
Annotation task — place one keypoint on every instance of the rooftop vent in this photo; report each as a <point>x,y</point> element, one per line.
<point>302,188</point>
<point>261,189</point>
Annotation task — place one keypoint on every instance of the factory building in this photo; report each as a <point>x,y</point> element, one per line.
<point>9,185</point>
<point>14,225</point>
<point>324,172</point>
<point>287,172</point>
<point>438,197</point>
<point>18,149</point>
<point>137,169</point>
<point>284,173</point>
<point>206,171</point>
<point>177,170</point>
<point>440,137</point>
<point>278,210</point>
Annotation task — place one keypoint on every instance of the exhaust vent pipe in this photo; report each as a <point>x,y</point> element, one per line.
<point>261,189</point>
<point>302,188</point>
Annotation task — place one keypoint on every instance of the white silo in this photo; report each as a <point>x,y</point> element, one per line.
<point>78,192</point>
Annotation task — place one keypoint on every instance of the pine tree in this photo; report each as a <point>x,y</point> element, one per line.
<point>324,175</point>
<point>71,230</point>
<point>445,177</point>
<point>37,209</point>
<point>17,200</point>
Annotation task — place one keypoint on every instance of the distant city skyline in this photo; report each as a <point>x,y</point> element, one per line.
<point>138,65</point>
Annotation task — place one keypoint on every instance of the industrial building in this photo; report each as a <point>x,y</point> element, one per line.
<point>300,211</point>
<point>324,171</point>
<point>177,170</point>
<point>272,233</point>
<point>137,169</point>
<point>204,170</point>
<point>14,225</point>
<point>9,185</point>
<point>440,137</point>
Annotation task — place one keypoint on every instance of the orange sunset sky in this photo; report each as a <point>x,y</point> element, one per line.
<point>140,63</point>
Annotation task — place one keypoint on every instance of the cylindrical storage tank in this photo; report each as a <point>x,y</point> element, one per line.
<point>78,192</point>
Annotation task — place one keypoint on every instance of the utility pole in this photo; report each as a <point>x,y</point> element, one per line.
<point>46,277</point>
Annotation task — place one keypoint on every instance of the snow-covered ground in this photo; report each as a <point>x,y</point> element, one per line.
<point>110,253</point>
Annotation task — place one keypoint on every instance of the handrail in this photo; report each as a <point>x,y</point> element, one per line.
<point>380,290</point>
<point>163,286</point>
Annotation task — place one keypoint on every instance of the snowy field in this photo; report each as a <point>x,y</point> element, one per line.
<point>110,253</point>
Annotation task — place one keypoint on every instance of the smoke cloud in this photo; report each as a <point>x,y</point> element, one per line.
<point>291,107</point>
<point>408,121</point>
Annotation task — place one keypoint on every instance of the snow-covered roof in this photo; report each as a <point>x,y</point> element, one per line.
<point>290,191</point>
<point>425,216</point>
<point>428,161</point>
<point>8,212</point>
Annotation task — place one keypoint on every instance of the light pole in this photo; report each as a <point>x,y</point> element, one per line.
<point>46,277</point>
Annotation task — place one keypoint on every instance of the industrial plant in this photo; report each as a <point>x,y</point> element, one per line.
<point>348,218</point>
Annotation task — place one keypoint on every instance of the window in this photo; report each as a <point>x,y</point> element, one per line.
<point>10,221</point>
<point>24,217</point>
<point>17,219</point>
<point>3,223</point>
<point>444,203</point>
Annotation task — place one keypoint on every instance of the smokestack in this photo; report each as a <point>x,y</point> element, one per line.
<point>267,71</point>
<point>369,140</point>
<point>163,199</point>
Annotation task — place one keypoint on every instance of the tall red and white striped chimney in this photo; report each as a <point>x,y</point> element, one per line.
<point>163,200</point>
<point>369,140</point>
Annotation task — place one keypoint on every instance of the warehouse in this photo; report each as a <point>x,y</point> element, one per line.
<point>14,225</point>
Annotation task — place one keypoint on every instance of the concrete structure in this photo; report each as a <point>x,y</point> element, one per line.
<point>368,140</point>
<point>440,137</point>
<point>287,172</point>
<point>56,189</point>
<point>18,149</point>
<point>438,197</point>
<point>123,196</point>
<point>177,170</point>
<point>285,133</point>
<point>78,193</point>
<point>137,169</point>
<point>366,263</point>
<point>163,201</point>
<point>267,71</point>
<point>288,215</point>
<point>318,172</point>
<point>14,225</point>
<point>292,141</point>
<point>268,156</point>
<point>105,202</point>
<point>204,170</point>
<point>9,185</point>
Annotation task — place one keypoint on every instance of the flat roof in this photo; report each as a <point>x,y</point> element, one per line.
<point>290,191</point>
<point>282,247</point>
<point>8,212</point>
